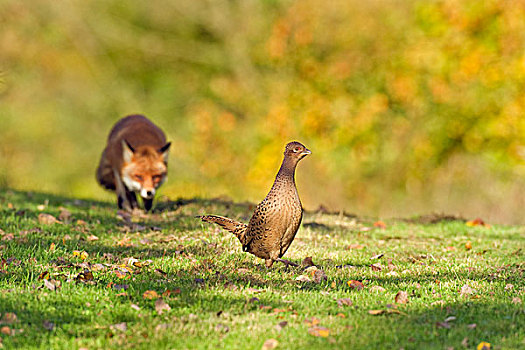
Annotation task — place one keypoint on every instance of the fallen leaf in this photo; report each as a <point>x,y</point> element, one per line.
<point>466,290</point>
<point>122,326</point>
<point>81,222</point>
<point>311,321</point>
<point>52,247</point>
<point>270,344</point>
<point>86,276</point>
<point>319,331</point>
<point>380,224</point>
<point>376,312</point>
<point>376,267</point>
<point>51,285</point>
<point>472,326</point>
<point>47,219</point>
<point>5,330</point>
<point>355,246</point>
<point>477,222</point>
<point>120,286</point>
<point>340,314</point>
<point>307,262</point>
<point>92,238</point>
<point>161,306</point>
<point>222,328</point>
<point>344,302</point>
<point>135,307</point>
<point>320,276</point>
<point>303,278</point>
<point>279,327</point>
<point>483,346</point>
<point>243,271</point>
<point>254,291</point>
<point>401,297</point>
<point>378,256</point>
<point>171,292</point>
<point>44,275</point>
<point>443,325</point>
<point>64,215</point>
<point>464,342</point>
<point>378,289</point>
<point>468,245</point>
<point>516,300</point>
<point>150,294</point>
<point>48,325</point>
<point>81,254</point>
<point>509,286</point>
<point>355,285</point>
<point>9,318</point>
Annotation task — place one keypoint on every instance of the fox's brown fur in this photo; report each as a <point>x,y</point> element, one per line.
<point>135,160</point>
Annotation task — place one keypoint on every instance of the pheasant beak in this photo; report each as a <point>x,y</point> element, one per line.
<point>306,152</point>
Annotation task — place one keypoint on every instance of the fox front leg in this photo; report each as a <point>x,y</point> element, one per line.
<point>123,201</point>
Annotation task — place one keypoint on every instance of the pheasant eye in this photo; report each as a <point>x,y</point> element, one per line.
<point>297,149</point>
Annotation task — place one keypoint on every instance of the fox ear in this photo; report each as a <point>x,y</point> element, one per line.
<point>164,150</point>
<point>127,151</point>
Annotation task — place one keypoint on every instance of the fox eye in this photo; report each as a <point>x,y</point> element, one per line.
<point>156,178</point>
<point>139,177</point>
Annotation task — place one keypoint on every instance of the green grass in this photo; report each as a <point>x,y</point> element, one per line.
<point>218,283</point>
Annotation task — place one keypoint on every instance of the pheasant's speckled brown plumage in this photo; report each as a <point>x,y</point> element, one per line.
<point>276,219</point>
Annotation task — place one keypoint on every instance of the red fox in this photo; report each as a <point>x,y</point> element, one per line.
<point>135,160</point>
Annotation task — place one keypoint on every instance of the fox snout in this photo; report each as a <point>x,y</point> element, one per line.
<point>147,193</point>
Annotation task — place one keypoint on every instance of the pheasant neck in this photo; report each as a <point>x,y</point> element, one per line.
<point>287,170</point>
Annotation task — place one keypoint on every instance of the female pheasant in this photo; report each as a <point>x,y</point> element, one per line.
<point>276,219</point>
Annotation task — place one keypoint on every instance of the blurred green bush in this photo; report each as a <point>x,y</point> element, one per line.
<point>408,106</point>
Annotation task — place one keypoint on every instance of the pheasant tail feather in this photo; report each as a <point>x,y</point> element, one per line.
<point>235,227</point>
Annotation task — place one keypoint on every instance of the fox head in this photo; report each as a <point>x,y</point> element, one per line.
<point>144,168</point>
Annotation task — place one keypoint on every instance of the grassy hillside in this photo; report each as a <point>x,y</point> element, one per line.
<point>97,280</point>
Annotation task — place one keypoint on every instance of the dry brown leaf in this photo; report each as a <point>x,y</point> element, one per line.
<point>516,300</point>
<point>344,302</point>
<point>303,278</point>
<point>380,224</point>
<point>92,238</point>
<point>122,326</point>
<point>355,246</point>
<point>86,276</point>
<point>52,247</point>
<point>468,245</point>
<point>9,318</point>
<point>401,297</point>
<point>355,285</point>
<point>5,330</point>
<point>270,344</point>
<point>279,327</point>
<point>376,267</point>
<point>477,222</point>
<point>378,289</point>
<point>50,326</point>
<point>376,312</point>
<point>47,219</point>
<point>318,331</point>
<point>51,285</point>
<point>64,215</point>
<point>150,294</point>
<point>311,321</point>
<point>307,262</point>
<point>466,290</point>
<point>320,276</point>
<point>161,306</point>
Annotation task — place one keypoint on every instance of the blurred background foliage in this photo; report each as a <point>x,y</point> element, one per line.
<point>408,106</point>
